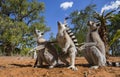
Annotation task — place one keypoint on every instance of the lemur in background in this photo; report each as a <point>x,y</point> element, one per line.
<point>45,51</point>
<point>95,48</point>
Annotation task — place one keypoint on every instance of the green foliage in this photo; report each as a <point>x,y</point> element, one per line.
<point>12,32</point>
<point>114,26</point>
<point>52,38</point>
<point>116,37</point>
<point>25,51</point>
<point>103,30</point>
<point>79,19</point>
<point>114,34</point>
<point>104,16</point>
<point>18,20</point>
<point>109,25</point>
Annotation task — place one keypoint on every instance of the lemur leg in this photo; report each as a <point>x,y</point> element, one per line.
<point>40,62</point>
<point>101,48</point>
<point>36,61</point>
<point>67,42</point>
<point>72,54</point>
<point>54,63</point>
<point>63,58</point>
<point>35,54</point>
<point>49,59</point>
<point>87,55</point>
<point>40,59</point>
<point>97,57</point>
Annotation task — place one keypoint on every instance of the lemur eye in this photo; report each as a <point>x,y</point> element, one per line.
<point>98,24</point>
<point>38,31</point>
<point>92,23</point>
<point>65,25</point>
<point>42,33</point>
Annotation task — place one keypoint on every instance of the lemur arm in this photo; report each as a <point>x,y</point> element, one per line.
<point>55,41</point>
<point>67,42</point>
<point>90,44</point>
<point>37,48</point>
<point>84,45</point>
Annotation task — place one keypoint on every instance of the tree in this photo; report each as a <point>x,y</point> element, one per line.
<point>103,31</point>
<point>79,19</point>
<point>116,37</point>
<point>114,34</point>
<point>18,19</point>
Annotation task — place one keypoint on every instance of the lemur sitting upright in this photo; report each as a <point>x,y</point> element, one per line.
<point>45,51</point>
<point>67,41</point>
<point>69,44</point>
<point>95,48</point>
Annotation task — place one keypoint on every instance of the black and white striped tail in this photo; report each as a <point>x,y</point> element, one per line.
<point>116,64</point>
<point>72,36</point>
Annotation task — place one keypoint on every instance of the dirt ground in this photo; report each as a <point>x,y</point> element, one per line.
<point>22,67</point>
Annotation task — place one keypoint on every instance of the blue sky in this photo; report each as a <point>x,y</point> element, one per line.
<point>53,11</point>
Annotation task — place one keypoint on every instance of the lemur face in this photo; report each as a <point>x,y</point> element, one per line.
<point>39,33</point>
<point>93,25</point>
<point>61,26</point>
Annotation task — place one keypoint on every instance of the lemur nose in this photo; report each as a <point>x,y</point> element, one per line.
<point>42,33</point>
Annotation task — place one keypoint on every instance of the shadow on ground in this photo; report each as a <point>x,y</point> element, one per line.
<point>22,65</point>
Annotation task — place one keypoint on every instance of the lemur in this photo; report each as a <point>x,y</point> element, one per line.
<point>68,42</point>
<point>45,51</point>
<point>95,48</point>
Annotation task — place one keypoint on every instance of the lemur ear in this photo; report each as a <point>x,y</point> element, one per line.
<point>88,23</point>
<point>35,30</point>
<point>67,18</point>
<point>59,23</point>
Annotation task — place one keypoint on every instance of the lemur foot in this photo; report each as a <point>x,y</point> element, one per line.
<point>64,50</point>
<point>51,67</point>
<point>73,68</point>
<point>35,66</point>
<point>94,67</point>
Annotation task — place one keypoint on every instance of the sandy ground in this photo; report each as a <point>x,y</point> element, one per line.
<point>22,67</point>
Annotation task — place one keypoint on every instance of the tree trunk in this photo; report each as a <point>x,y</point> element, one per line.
<point>8,50</point>
<point>104,36</point>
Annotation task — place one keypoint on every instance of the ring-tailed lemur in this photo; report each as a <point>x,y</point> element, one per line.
<point>45,51</point>
<point>95,48</point>
<point>68,42</point>
<point>71,34</point>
